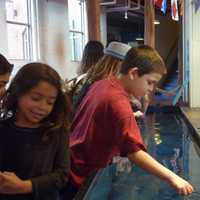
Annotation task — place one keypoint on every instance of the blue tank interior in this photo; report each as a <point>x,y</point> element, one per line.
<point>168,139</point>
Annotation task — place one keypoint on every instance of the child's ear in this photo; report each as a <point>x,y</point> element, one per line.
<point>133,73</point>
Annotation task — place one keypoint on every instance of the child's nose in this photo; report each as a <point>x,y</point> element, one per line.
<point>44,106</point>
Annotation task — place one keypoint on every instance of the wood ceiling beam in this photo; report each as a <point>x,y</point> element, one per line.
<point>149,27</point>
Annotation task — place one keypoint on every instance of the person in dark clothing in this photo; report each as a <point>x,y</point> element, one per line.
<point>34,156</point>
<point>92,53</point>
<point>5,72</point>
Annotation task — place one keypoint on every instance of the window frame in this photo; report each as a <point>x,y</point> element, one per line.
<point>32,32</point>
<point>82,32</point>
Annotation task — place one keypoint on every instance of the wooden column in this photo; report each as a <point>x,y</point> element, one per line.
<point>149,27</point>
<point>93,13</point>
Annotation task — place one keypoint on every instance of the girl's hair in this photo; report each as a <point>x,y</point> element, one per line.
<point>93,51</point>
<point>107,66</point>
<point>145,58</point>
<point>5,66</point>
<point>110,63</point>
<point>27,78</point>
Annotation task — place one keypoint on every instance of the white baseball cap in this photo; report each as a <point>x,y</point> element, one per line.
<point>117,50</point>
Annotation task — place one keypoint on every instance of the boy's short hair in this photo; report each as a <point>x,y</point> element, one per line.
<point>145,58</point>
<point>5,66</point>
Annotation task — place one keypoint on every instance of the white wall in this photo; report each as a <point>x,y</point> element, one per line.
<point>54,35</point>
<point>54,41</point>
<point>195,65</point>
<point>192,55</point>
<point>3,38</point>
<point>3,33</point>
<point>103,26</point>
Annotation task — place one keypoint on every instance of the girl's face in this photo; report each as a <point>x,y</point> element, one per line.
<point>36,105</point>
<point>4,78</point>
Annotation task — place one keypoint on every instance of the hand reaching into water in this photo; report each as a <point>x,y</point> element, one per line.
<point>182,186</point>
<point>146,162</point>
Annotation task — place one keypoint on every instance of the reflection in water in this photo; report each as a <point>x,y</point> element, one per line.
<point>167,139</point>
<point>194,196</point>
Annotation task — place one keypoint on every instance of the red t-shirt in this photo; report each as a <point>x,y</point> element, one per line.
<point>104,126</point>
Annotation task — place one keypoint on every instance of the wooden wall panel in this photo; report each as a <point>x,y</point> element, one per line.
<point>149,28</point>
<point>93,13</point>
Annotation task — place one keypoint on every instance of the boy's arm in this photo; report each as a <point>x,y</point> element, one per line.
<point>146,162</point>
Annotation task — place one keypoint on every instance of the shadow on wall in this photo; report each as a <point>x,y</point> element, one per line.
<point>60,50</point>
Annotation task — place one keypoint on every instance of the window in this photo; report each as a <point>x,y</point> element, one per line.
<point>77,28</point>
<point>19,18</point>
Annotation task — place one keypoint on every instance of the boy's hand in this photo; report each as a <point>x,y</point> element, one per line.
<point>11,184</point>
<point>146,162</point>
<point>138,114</point>
<point>181,185</point>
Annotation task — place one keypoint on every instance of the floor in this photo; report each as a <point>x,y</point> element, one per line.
<point>193,115</point>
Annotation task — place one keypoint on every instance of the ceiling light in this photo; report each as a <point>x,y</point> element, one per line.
<point>156,22</point>
<point>139,38</point>
<point>126,15</point>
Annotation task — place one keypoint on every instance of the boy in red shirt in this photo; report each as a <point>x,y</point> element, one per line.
<point>104,125</point>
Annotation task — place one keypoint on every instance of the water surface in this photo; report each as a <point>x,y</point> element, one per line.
<point>168,139</point>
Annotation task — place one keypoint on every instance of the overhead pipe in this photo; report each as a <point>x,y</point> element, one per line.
<point>126,8</point>
<point>108,3</point>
